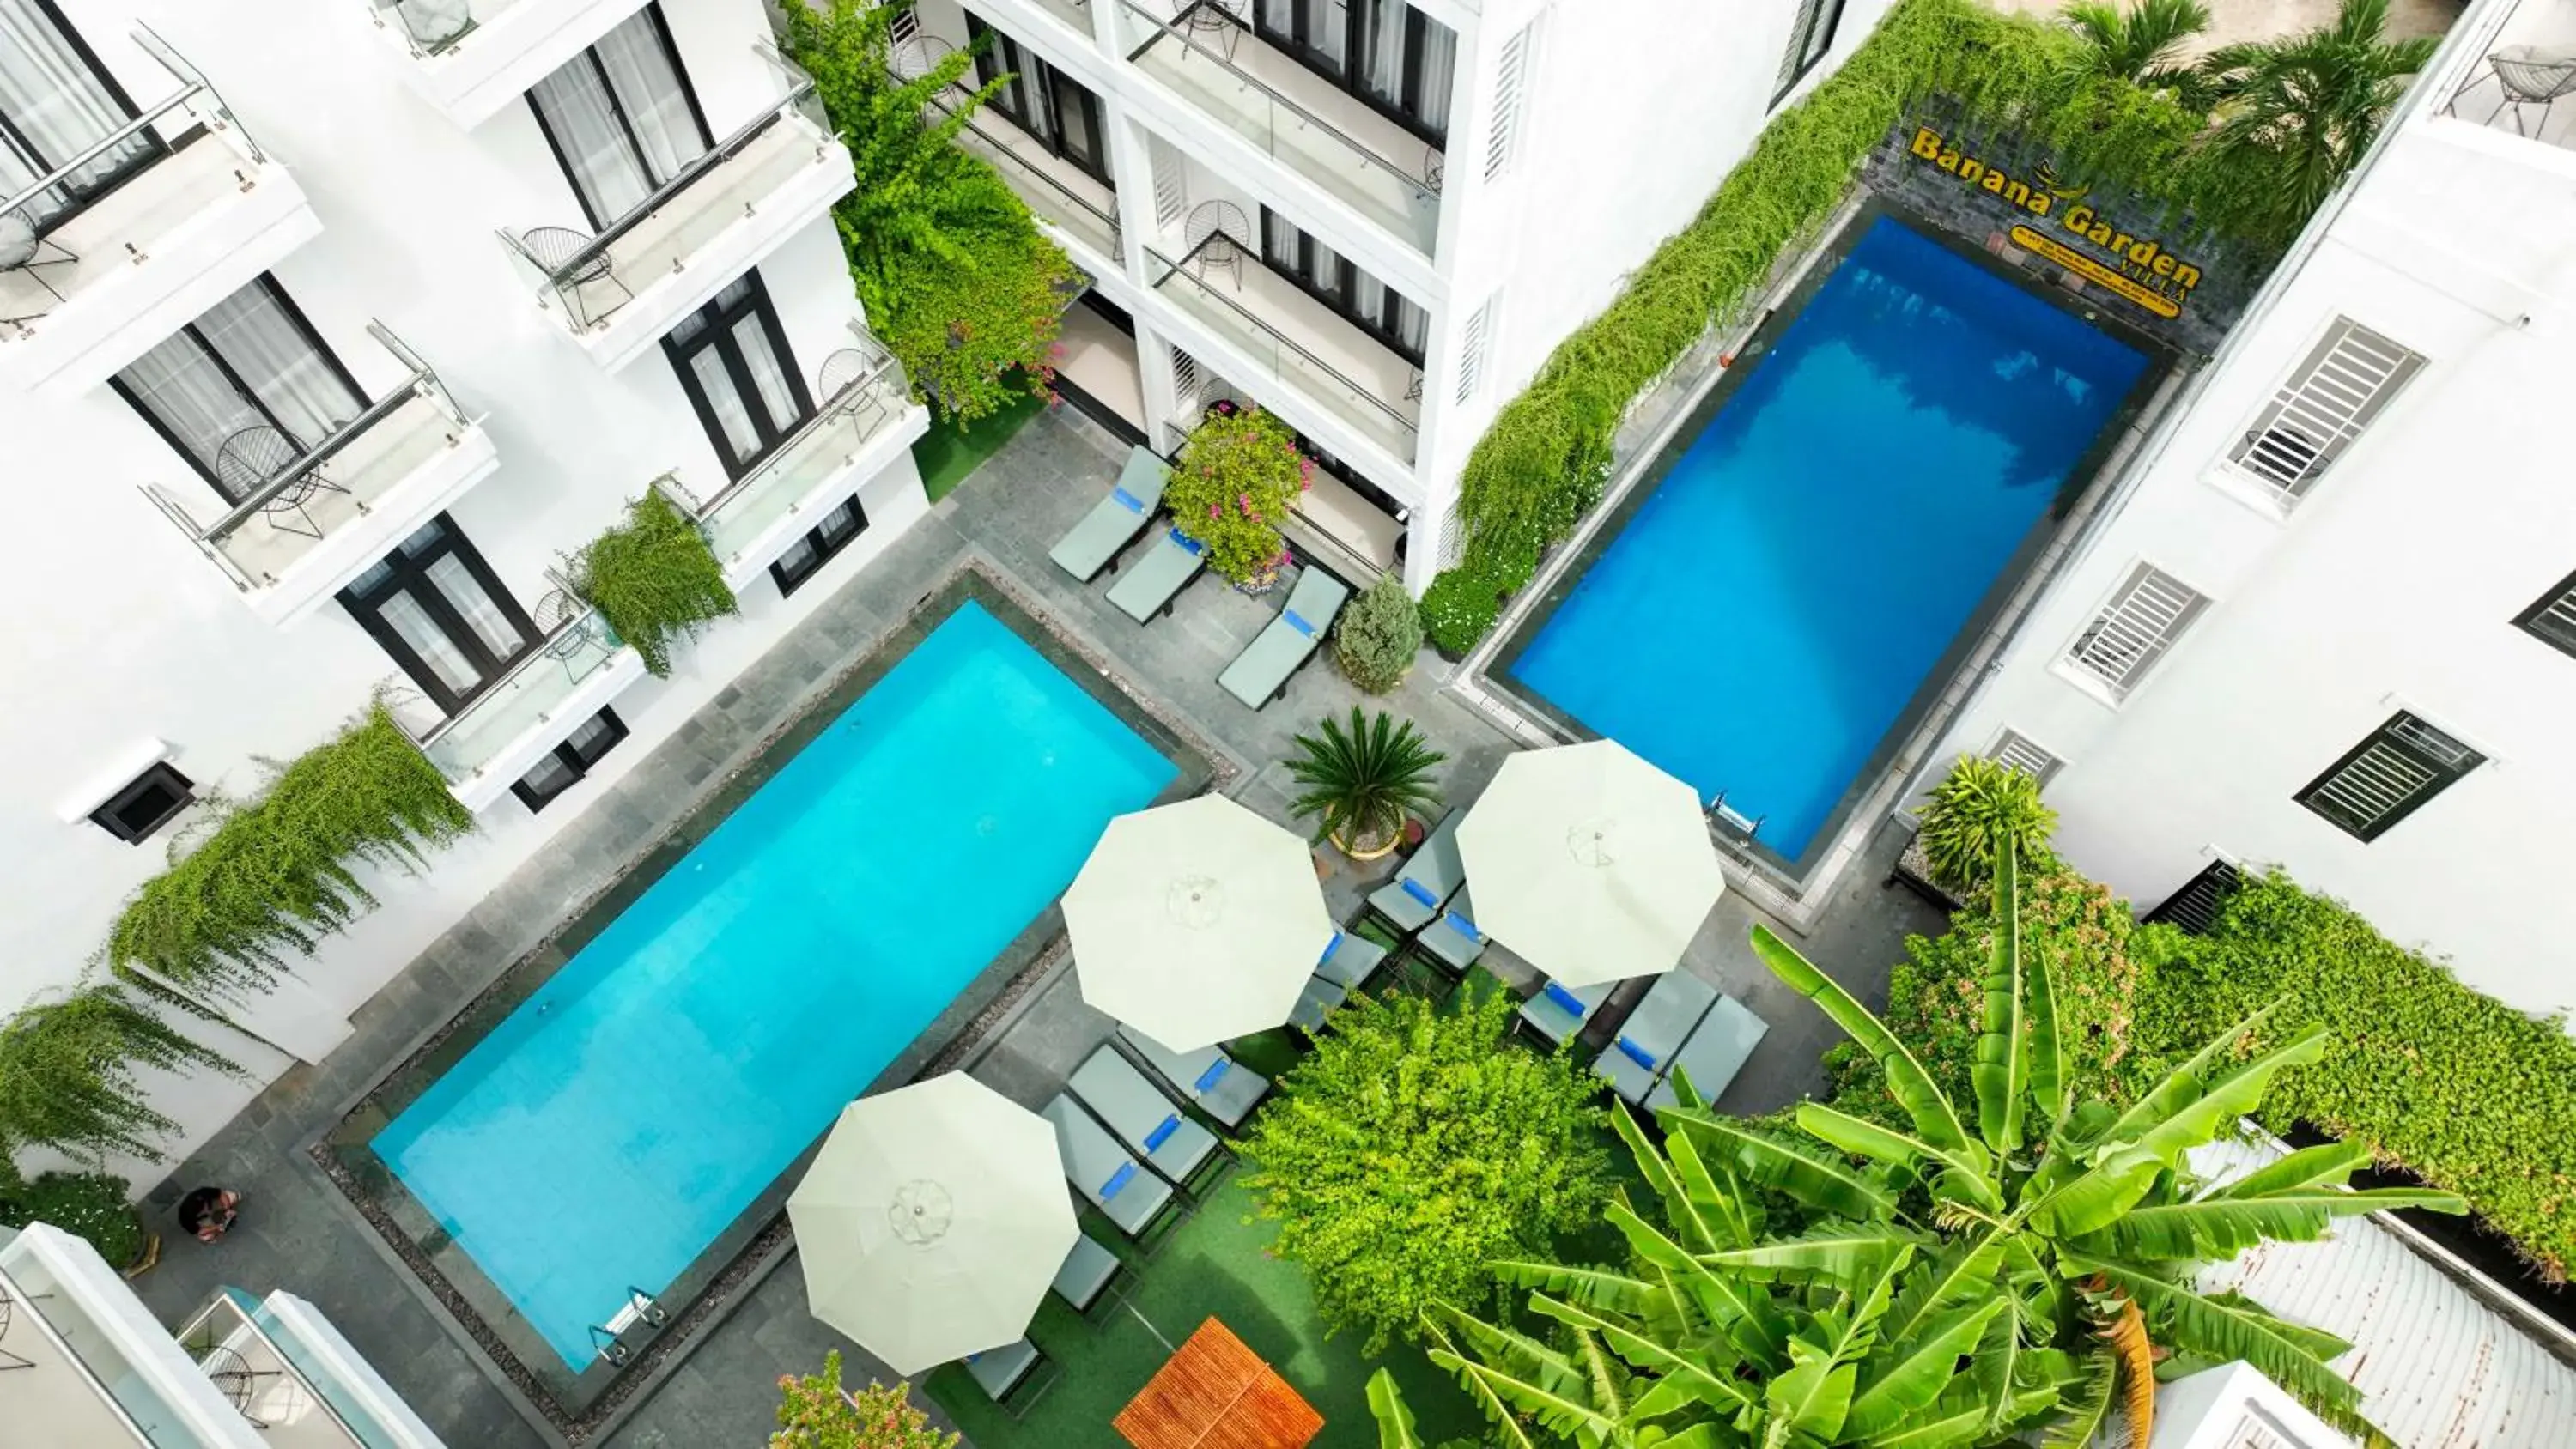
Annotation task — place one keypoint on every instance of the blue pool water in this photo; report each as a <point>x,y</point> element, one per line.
<point>1765,616</point>
<point>621,1117</point>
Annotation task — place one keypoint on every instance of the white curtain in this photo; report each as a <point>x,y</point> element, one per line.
<point>1381,67</point>
<point>52,108</point>
<point>647,81</point>
<point>476,606</point>
<point>616,164</point>
<point>768,374</point>
<point>715,382</point>
<point>1438,68</point>
<point>244,363</point>
<point>601,165</point>
<point>429,643</point>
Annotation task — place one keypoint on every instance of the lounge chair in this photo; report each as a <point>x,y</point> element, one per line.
<point>1654,1030</point>
<point>1453,939</point>
<point>1715,1052</point>
<point>1174,1146</point>
<point>1138,1201</point>
<point>1316,1002</point>
<point>1149,587</point>
<point>1349,960</point>
<point>1008,1375</point>
<point>1092,1276</point>
<point>1557,1012</point>
<point>1114,521</point>
<point>1207,1079</point>
<point>1429,877</point>
<point>1260,673</point>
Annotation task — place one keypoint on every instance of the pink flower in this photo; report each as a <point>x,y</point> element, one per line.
<point>1215,512</point>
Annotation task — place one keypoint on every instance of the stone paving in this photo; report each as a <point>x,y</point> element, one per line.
<point>299,1233</point>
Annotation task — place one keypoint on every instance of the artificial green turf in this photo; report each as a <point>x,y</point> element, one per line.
<point>1217,1264</point>
<point>946,454</point>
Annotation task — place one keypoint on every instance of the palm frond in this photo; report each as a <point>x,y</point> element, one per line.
<point>2223,1330</point>
<point>1816,1179</point>
<point>2088,1410</point>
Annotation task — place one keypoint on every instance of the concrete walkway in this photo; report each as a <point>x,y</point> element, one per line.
<point>299,1233</point>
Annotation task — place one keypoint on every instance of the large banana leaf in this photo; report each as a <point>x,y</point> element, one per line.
<point>2088,1410</point>
<point>1818,1179</point>
<point>1602,1374</point>
<point>1812,1398</point>
<point>1506,1400</point>
<point>2001,1067</point>
<point>1997,1366</point>
<point>1863,1138</point>
<point>1851,1255</point>
<point>1740,1309</point>
<point>1394,1418</point>
<point>2098,1196</point>
<point>1908,1374</point>
<point>2230,1097</point>
<point>2225,1330</point>
<point>2050,1077</point>
<point>2220,1228</point>
<point>1954,1277</point>
<point>1935,1120</point>
<point>1960,1417</point>
<point>1724,1211</point>
<point>2183,1085</point>
<point>1517,1353</point>
<point>2328,1162</point>
<point>1592,1287</point>
<point>1705,1380</point>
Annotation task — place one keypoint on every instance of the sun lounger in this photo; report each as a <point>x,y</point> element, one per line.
<point>1003,1372</point>
<point>1350,959</point>
<point>1138,1201</point>
<point>1207,1079</point>
<point>1428,878</point>
<point>1714,1053</point>
<point>1089,1274</point>
<point>1260,673</point>
<point>1174,1146</point>
<point>1661,1022</point>
<point>1316,1002</point>
<point>1453,939</point>
<point>1114,521</point>
<point>1558,1012</point>
<point>1151,584</point>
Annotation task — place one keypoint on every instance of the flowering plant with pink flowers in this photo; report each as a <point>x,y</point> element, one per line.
<point>1237,480</point>
<point>817,1413</point>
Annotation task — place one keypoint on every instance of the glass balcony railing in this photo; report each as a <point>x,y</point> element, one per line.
<point>1192,54</point>
<point>1291,363</point>
<point>537,691</point>
<point>1055,199</point>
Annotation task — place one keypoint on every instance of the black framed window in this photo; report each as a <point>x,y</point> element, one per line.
<point>2552,621</point>
<point>57,101</point>
<point>2388,776</point>
<point>1387,53</point>
<point>806,556</point>
<point>1334,280</point>
<point>622,117</point>
<point>148,802</point>
<point>249,368</point>
<point>1811,37</point>
<point>568,764</point>
<point>734,364</point>
<point>439,610</point>
<point>1052,107</point>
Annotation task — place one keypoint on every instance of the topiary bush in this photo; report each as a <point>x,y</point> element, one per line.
<point>1377,636</point>
<point>1462,604</point>
<point>1236,482</point>
<point>654,579</point>
<point>1980,809</point>
<point>90,1205</point>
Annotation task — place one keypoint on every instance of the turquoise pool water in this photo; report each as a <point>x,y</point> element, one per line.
<point>622,1116</point>
<point>1772,608</point>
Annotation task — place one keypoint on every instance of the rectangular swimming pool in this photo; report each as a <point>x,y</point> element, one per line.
<point>623,1115</point>
<point>1770,607</point>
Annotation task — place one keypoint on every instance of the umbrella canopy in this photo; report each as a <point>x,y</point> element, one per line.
<point>1591,864</point>
<point>1196,922</point>
<point>933,1221</point>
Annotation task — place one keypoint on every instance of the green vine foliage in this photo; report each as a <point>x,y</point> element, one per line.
<point>67,1075</point>
<point>278,872</point>
<point>953,272</point>
<point>654,578</point>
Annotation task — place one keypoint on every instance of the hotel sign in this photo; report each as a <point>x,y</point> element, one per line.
<point>2064,229</point>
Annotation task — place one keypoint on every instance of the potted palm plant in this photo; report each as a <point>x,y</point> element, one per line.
<point>1361,782</point>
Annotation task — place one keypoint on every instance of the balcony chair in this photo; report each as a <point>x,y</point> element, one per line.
<point>23,251</point>
<point>1216,235</point>
<point>253,458</point>
<point>2531,75</point>
<point>844,370</point>
<point>554,247</point>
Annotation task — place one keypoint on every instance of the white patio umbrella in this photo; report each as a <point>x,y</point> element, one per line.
<point>933,1221</point>
<point>1589,863</point>
<point>1196,922</point>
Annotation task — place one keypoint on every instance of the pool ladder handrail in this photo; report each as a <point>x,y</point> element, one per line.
<point>606,1339</point>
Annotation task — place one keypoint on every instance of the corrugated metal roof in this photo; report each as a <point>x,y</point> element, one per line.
<point>2437,1368</point>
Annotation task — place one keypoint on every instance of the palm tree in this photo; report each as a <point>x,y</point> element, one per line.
<point>1362,782</point>
<point>2048,1245</point>
<point>2142,44</point>
<point>2294,115</point>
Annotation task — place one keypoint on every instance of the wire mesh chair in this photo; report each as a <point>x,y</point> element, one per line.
<point>2531,75</point>
<point>844,370</point>
<point>1217,235</point>
<point>252,459</point>
<point>917,56</point>
<point>22,250</point>
<point>1225,19</point>
<point>1435,168</point>
<point>236,1380</point>
<point>555,247</point>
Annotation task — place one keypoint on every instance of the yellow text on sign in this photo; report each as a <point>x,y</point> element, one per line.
<point>2093,271</point>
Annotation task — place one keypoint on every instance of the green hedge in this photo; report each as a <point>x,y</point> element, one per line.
<point>654,579</point>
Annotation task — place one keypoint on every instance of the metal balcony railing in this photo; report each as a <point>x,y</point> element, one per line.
<point>533,691</point>
<point>1287,361</point>
<point>1046,194</point>
<point>433,27</point>
<point>195,104</point>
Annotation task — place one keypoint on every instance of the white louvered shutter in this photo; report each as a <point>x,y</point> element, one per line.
<point>1511,81</point>
<point>2346,380</point>
<point>1471,348</point>
<point>2015,749</point>
<point>2145,615</point>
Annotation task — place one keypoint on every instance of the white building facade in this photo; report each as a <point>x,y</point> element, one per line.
<point>2329,619</point>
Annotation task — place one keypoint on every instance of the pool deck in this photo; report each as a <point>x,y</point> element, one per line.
<point>297,1231</point>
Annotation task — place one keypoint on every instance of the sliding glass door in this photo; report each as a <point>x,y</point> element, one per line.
<point>249,372</point>
<point>622,118</point>
<point>733,363</point>
<point>1387,53</point>
<point>1333,279</point>
<point>57,101</point>
<point>437,608</point>
<point>1057,111</point>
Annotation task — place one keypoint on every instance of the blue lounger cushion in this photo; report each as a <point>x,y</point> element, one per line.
<point>1330,947</point>
<point>1558,994</point>
<point>1636,1053</point>
<point>1467,928</point>
<point>1162,1133</point>
<point>1127,500</point>
<point>1297,623</point>
<point>1215,1073</point>
<point>1192,545</point>
<point>1422,893</point>
<point>1118,1181</point>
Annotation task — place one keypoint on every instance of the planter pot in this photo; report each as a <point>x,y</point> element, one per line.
<point>1370,847</point>
<point>1258,584</point>
<point>145,1261</point>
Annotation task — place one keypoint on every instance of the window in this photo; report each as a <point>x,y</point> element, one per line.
<point>1511,75</point>
<point>2553,619</point>
<point>2346,380</point>
<point>1811,35</point>
<point>733,363</point>
<point>148,802</point>
<point>1378,309</point>
<point>621,117</point>
<point>1057,112</point>
<point>1387,53</point>
<point>1471,348</point>
<point>2148,612</point>
<point>435,606</point>
<point>806,556</point>
<point>57,101</point>
<point>2015,749</point>
<point>2195,907</point>
<point>2388,776</point>
<point>249,372</point>
<point>568,763</point>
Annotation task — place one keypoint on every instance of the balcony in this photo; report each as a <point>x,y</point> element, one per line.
<point>323,516</point>
<point>864,417</point>
<point>574,672</point>
<point>1080,211</point>
<point>205,215</point>
<point>1295,341</point>
<point>1227,72</point>
<point>472,58</point>
<point>618,292</point>
<point>2523,79</point>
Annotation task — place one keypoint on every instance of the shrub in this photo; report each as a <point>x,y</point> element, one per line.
<point>1378,636</point>
<point>90,1205</point>
<point>653,578</point>
<point>1973,815</point>
<point>1361,782</point>
<point>1235,483</point>
<point>816,1413</point>
<point>1462,604</point>
<point>1416,1146</point>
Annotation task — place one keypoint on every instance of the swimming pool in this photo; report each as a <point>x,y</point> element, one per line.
<point>624,1115</point>
<point>1764,615</point>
